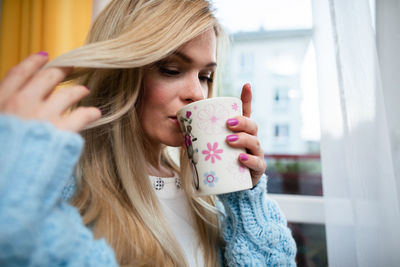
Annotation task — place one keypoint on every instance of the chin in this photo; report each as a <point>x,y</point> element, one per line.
<point>174,143</point>
<point>174,140</point>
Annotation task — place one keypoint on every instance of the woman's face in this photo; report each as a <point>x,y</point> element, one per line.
<point>180,79</point>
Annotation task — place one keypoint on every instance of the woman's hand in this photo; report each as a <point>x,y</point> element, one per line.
<point>246,137</point>
<point>26,92</point>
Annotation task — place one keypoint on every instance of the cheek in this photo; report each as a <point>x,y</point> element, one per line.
<point>153,93</point>
<point>151,105</point>
<point>158,95</point>
<point>157,91</point>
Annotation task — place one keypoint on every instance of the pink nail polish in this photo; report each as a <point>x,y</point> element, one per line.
<point>42,53</point>
<point>86,87</point>
<point>243,157</point>
<point>233,122</point>
<point>232,138</point>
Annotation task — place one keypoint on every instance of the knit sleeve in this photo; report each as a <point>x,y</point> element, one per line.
<point>36,227</point>
<point>255,230</point>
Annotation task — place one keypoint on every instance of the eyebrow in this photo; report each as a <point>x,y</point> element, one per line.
<point>189,60</point>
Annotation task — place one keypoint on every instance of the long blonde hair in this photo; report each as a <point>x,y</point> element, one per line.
<point>114,194</point>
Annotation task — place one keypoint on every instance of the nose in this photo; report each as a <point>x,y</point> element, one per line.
<point>194,90</point>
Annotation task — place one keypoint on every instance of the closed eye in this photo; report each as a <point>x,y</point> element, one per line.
<point>169,72</point>
<point>206,79</point>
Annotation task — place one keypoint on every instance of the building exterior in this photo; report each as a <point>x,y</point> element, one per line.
<point>271,62</point>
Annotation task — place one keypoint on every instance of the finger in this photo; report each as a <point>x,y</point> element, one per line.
<point>63,99</point>
<point>242,124</point>
<point>246,141</point>
<point>20,74</point>
<point>40,86</point>
<point>246,99</point>
<point>79,119</point>
<point>256,165</point>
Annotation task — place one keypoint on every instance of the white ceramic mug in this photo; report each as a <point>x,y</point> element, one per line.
<point>215,165</point>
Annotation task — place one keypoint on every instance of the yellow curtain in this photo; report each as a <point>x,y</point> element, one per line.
<point>30,26</point>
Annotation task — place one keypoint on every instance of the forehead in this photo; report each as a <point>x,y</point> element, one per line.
<point>202,47</point>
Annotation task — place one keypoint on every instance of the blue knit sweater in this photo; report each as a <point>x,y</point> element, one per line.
<point>38,228</point>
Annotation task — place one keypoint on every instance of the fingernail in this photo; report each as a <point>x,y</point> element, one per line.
<point>233,122</point>
<point>86,87</point>
<point>232,137</point>
<point>42,53</point>
<point>243,157</point>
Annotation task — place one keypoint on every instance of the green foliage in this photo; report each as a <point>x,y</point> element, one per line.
<point>294,166</point>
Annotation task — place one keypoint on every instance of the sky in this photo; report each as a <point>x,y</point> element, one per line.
<point>250,15</point>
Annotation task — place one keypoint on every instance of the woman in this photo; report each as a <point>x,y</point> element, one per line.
<point>144,60</point>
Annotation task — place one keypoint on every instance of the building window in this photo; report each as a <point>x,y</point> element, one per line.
<point>246,62</point>
<point>281,131</point>
<point>281,97</point>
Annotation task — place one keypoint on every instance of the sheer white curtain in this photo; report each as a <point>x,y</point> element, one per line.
<point>359,179</point>
<point>97,7</point>
<point>388,35</point>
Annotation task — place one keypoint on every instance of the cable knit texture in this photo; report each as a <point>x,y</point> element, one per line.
<point>39,228</point>
<point>36,227</point>
<point>255,230</point>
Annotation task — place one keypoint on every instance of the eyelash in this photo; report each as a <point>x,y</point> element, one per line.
<point>206,78</point>
<point>169,72</point>
<point>172,73</point>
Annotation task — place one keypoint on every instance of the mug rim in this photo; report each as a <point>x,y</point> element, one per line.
<point>206,100</point>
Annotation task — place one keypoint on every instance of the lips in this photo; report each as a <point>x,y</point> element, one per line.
<point>175,120</point>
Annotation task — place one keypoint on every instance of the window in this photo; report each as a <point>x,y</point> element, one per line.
<point>246,62</point>
<point>275,48</point>
<point>281,98</point>
<point>281,132</point>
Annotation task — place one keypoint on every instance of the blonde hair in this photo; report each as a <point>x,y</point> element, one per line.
<point>114,194</point>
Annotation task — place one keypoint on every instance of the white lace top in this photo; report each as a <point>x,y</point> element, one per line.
<point>176,209</point>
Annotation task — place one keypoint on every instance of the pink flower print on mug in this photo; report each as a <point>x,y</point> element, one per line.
<point>188,140</point>
<point>212,118</point>
<point>215,165</point>
<point>212,152</point>
<point>235,106</point>
<point>237,170</point>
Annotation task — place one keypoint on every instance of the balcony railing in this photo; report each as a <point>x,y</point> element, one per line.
<point>294,174</point>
